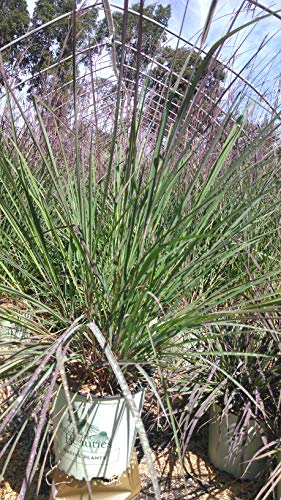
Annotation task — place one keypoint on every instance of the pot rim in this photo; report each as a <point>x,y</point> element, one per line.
<point>89,397</point>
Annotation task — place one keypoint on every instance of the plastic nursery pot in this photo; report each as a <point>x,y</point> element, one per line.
<point>232,454</point>
<point>102,443</point>
<point>10,332</point>
<point>127,486</point>
<point>278,489</point>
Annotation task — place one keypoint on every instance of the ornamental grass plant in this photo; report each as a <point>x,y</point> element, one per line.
<point>124,254</point>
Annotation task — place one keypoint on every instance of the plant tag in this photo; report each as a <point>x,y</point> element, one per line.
<point>100,442</point>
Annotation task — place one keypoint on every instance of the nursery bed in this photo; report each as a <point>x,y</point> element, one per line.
<point>203,481</point>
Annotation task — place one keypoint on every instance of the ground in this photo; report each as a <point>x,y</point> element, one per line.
<point>203,481</point>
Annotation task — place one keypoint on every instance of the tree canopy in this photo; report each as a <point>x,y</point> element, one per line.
<point>184,62</point>
<point>176,59</point>
<point>14,22</point>
<point>152,34</point>
<point>163,63</point>
<point>55,42</point>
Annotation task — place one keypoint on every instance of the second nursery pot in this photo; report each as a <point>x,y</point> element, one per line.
<point>100,443</point>
<point>279,471</point>
<point>11,332</point>
<point>232,453</point>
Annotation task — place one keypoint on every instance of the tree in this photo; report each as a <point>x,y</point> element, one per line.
<point>14,22</point>
<point>55,42</point>
<point>163,63</point>
<point>175,59</point>
<point>152,35</point>
<point>185,62</point>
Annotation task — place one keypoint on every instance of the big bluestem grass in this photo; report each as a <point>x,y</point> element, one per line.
<point>125,238</point>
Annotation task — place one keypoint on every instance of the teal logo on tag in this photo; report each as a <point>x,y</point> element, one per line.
<point>89,436</point>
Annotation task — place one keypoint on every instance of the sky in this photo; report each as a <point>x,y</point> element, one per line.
<point>265,71</point>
